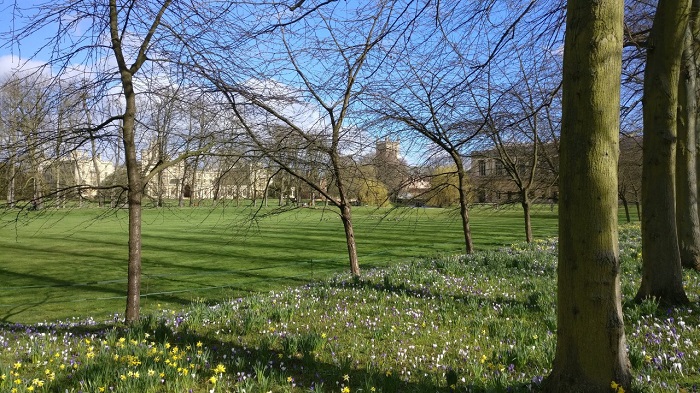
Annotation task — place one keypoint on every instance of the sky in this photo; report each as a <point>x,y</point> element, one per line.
<point>11,55</point>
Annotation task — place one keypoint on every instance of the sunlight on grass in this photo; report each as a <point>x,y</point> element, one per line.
<point>479,323</point>
<point>60,264</point>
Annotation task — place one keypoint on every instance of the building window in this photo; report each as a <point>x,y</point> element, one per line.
<point>499,168</point>
<point>482,168</point>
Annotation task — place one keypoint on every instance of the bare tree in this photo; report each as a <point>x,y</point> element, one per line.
<point>519,127</point>
<point>288,90</point>
<point>436,88</point>
<point>114,42</point>
<point>629,172</point>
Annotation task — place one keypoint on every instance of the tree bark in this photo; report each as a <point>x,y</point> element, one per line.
<point>134,197</point>
<point>591,351</point>
<point>134,177</point>
<point>627,208</point>
<point>661,267</point>
<point>687,220</point>
<point>526,213</point>
<point>463,201</point>
<point>346,217</point>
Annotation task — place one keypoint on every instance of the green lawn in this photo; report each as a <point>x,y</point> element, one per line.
<point>454,324</point>
<point>64,264</point>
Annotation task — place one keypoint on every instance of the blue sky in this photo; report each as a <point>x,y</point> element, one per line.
<point>10,52</point>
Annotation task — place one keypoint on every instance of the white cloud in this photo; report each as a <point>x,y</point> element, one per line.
<point>11,64</point>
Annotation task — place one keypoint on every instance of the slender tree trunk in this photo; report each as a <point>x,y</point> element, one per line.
<point>57,185</point>
<point>96,166</point>
<point>134,180</point>
<point>627,208</point>
<point>11,183</point>
<point>639,210</point>
<point>161,187</point>
<point>463,201</point>
<point>687,220</point>
<point>93,151</point>
<point>591,351</point>
<point>182,181</point>
<point>346,217</point>
<point>193,181</point>
<point>661,268</point>
<point>526,213</point>
<point>135,195</point>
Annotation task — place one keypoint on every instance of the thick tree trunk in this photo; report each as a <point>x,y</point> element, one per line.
<point>661,268</point>
<point>346,217</point>
<point>591,351</point>
<point>687,220</point>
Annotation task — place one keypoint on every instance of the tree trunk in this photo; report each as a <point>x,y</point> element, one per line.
<point>93,151</point>
<point>626,206</point>
<point>161,186</point>
<point>463,202</point>
<point>526,213</point>
<point>591,351</point>
<point>11,183</point>
<point>57,185</point>
<point>238,195</point>
<point>346,217</point>
<point>661,268</point>
<point>193,181</point>
<point>96,166</point>
<point>134,180</point>
<point>135,194</point>
<point>687,220</point>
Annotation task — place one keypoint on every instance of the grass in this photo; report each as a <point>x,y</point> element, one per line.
<point>72,263</point>
<point>480,323</point>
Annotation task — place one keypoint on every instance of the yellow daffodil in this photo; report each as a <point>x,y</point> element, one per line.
<point>220,369</point>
